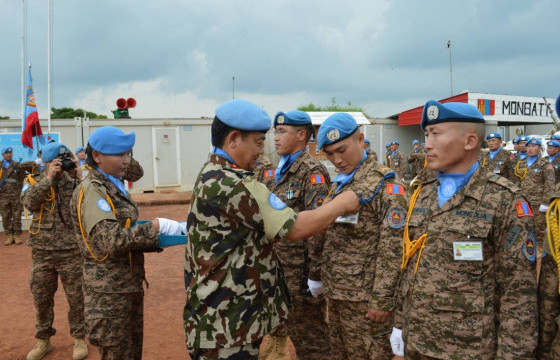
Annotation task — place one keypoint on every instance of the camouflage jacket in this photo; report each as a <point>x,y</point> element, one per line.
<point>265,172</point>
<point>49,200</point>
<point>539,182</point>
<point>372,153</point>
<point>398,163</point>
<point>304,187</point>
<point>485,308</point>
<point>106,234</point>
<point>235,293</point>
<point>15,173</point>
<point>502,164</point>
<point>361,262</point>
<point>556,166</point>
<point>416,159</point>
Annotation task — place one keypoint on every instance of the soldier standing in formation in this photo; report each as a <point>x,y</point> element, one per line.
<point>81,155</point>
<point>112,247</point>
<point>362,251</point>
<point>235,289</point>
<point>468,290</point>
<point>397,160</point>
<point>552,149</point>
<point>12,175</point>
<point>55,250</point>
<point>498,160</point>
<point>415,160</point>
<point>388,154</point>
<point>369,150</point>
<point>302,183</point>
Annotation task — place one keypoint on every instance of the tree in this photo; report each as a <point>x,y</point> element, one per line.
<point>4,117</point>
<point>333,107</point>
<point>69,113</point>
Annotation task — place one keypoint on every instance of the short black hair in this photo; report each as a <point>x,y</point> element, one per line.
<point>89,159</point>
<point>220,131</point>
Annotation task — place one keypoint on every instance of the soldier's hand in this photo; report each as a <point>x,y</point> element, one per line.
<point>378,316</point>
<point>349,201</point>
<point>54,169</point>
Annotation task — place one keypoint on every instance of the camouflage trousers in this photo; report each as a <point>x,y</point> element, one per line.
<point>353,336</point>
<point>10,210</point>
<point>549,310</point>
<point>306,324</point>
<point>114,324</point>
<point>48,265</point>
<point>245,352</point>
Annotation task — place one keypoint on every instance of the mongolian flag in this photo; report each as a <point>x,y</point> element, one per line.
<point>31,125</point>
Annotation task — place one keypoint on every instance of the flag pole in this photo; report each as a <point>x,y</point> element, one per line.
<point>23,60</point>
<point>49,66</point>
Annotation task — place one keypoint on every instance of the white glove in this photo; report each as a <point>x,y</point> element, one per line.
<point>316,287</point>
<point>169,227</point>
<point>397,343</point>
<point>543,208</point>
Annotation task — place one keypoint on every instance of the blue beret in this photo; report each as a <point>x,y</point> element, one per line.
<point>493,135</point>
<point>294,118</point>
<point>395,143</point>
<point>335,128</point>
<point>523,138</point>
<point>243,115</point>
<point>52,150</point>
<point>515,141</point>
<point>422,144</point>
<point>79,149</point>
<point>110,140</point>
<point>435,113</point>
<point>534,141</point>
<point>387,145</point>
<point>414,142</point>
<point>7,149</point>
<point>366,140</point>
<point>554,143</point>
<point>555,137</point>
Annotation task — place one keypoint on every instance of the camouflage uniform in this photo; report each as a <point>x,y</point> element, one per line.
<point>372,153</point>
<point>556,166</point>
<point>456,309</point>
<point>398,163</point>
<point>265,172</point>
<point>361,264</point>
<point>500,165</point>
<point>234,285</point>
<point>54,253</point>
<point>549,310</point>
<point>304,187</point>
<point>113,293</point>
<point>10,204</point>
<point>416,161</point>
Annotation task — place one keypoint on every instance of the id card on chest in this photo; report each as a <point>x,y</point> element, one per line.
<point>467,251</point>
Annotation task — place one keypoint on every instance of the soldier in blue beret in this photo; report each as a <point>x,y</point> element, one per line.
<point>368,240</point>
<point>415,159</point>
<point>81,155</point>
<point>112,247</point>
<point>498,160</point>
<point>387,153</point>
<point>369,150</point>
<point>552,150</point>
<point>397,161</point>
<point>236,293</point>
<point>469,237</point>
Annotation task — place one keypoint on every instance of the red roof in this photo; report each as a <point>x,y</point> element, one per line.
<point>414,116</point>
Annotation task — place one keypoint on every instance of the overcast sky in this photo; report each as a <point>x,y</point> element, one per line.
<point>177,58</point>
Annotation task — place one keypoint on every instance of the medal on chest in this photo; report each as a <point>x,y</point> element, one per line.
<point>289,193</point>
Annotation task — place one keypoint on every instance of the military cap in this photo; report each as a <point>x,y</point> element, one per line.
<point>111,140</point>
<point>395,143</point>
<point>435,113</point>
<point>53,150</point>
<point>534,141</point>
<point>414,142</point>
<point>387,144</point>
<point>7,149</point>
<point>366,140</point>
<point>243,115</point>
<point>79,149</point>
<point>523,138</point>
<point>493,135</point>
<point>554,143</point>
<point>335,128</point>
<point>515,141</point>
<point>294,118</point>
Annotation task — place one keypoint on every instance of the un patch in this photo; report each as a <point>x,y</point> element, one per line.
<point>103,205</point>
<point>529,248</point>
<point>318,200</point>
<point>396,218</point>
<point>275,202</point>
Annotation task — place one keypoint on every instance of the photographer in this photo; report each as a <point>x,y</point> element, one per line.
<point>55,249</point>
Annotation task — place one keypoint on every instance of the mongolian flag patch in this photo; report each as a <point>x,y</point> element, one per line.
<point>317,179</point>
<point>269,173</point>
<point>395,189</point>
<point>523,209</point>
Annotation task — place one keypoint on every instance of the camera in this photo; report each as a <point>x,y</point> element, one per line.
<point>304,287</point>
<point>67,163</point>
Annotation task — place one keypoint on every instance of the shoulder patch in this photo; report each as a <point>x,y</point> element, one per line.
<point>103,205</point>
<point>395,189</point>
<point>550,167</point>
<point>275,202</point>
<point>385,170</point>
<point>269,173</point>
<point>523,209</point>
<point>317,179</point>
<point>396,218</point>
<point>318,200</point>
<point>530,247</point>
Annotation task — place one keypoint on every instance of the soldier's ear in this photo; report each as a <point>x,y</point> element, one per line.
<point>233,139</point>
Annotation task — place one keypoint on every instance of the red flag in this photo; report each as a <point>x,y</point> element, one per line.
<point>31,125</point>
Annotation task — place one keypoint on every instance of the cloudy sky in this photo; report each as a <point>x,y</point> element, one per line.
<point>177,58</point>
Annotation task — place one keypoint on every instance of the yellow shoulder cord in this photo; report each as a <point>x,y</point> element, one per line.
<point>553,233</point>
<point>48,199</point>
<point>85,235</point>
<point>1,170</point>
<point>483,161</point>
<point>410,247</point>
<point>520,173</point>
<point>425,162</point>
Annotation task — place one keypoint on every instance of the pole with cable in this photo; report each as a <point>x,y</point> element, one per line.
<point>450,65</point>
<point>49,66</point>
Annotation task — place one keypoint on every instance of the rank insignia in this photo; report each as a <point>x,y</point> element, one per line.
<point>396,218</point>
<point>318,200</point>
<point>523,209</point>
<point>317,179</point>
<point>269,173</point>
<point>395,189</point>
<point>529,248</point>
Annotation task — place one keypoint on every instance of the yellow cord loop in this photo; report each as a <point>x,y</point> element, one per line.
<point>553,233</point>
<point>520,173</point>
<point>425,162</point>
<point>484,161</point>
<point>410,247</point>
<point>44,206</point>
